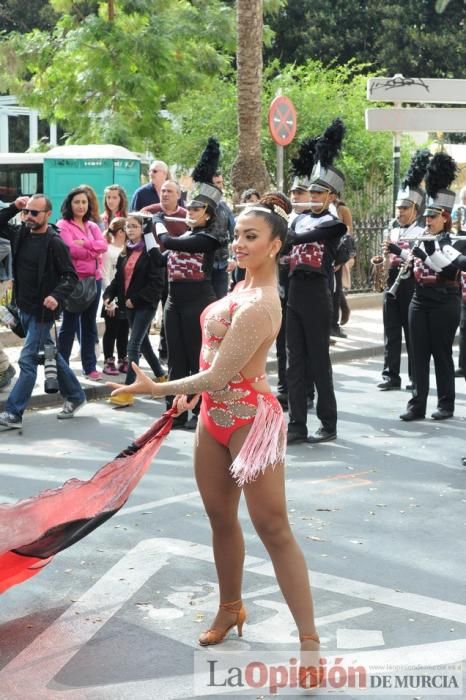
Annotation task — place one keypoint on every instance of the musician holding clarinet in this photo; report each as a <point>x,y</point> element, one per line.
<point>453,256</point>
<point>399,280</point>
<point>434,311</point>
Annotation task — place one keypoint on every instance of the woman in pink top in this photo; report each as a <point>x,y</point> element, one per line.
<point>86,243</point>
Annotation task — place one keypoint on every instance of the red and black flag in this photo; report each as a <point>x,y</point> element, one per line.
<point>32,531</point>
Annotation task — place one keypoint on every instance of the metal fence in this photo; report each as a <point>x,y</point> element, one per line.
<point>368,235</point>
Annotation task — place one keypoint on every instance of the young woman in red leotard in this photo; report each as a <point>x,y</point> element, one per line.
<point>241,435</point>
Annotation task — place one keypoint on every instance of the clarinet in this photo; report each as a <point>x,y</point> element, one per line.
<point>404,271</point>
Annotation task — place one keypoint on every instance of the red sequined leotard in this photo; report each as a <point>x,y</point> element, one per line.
<point>238,331</point>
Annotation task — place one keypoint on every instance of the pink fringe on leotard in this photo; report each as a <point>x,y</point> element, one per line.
<point>265,444</point>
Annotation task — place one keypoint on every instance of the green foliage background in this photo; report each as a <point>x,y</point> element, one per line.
<point>160,76</point>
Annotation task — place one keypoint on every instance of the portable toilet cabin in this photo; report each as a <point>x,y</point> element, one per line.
<point>67,167</point>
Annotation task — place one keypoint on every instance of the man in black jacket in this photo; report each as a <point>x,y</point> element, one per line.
<point>44,277</point>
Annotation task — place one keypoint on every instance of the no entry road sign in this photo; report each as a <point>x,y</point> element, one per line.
<point>282,120</point>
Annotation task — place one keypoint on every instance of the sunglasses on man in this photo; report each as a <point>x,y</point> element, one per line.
<point>34,212</point>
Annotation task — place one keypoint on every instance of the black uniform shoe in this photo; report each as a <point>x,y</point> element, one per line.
<point>283,401</point>
<point>411,415</point>
<point>409,387</point>
<point>294,436</point>
<point>442,414</point>
<point>460,372</point>
<point>191,424</point>
<point>338,333</point>
<point>322,435</point>
<point>463,461</point>
<point>388,385</point>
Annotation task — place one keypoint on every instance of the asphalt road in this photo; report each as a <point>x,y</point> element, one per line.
<point>380,514</point>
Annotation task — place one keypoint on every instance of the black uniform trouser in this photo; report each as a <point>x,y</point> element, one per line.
<point>308,320</point>
<point>395,321</point>
<point>280,344</point>
<point>183,330</point>
<point>163,340</point>
<point>432,325</point>
<point>337,295</point>
<point>220,281</point>
<point>462,352</point>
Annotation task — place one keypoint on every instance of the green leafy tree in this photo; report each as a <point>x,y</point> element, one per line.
<point>319,94</point>
<point>106,80</point>
<point>409,37</point>
<point>26,15</point>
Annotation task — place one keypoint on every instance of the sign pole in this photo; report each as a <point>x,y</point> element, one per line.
<point>396,166</point>
<point>280,169</point>
<point>282,126</point>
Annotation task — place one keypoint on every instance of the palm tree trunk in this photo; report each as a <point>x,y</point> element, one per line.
<point>249,169</point>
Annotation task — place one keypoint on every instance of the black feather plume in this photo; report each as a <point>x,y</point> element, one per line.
<point>417,169</point>
<point>207,165</point>
<point>303,162</point>
<point>440,173</point>
<point>329,144</point>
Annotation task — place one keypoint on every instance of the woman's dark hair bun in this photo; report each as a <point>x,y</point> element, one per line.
<point>279,199</point>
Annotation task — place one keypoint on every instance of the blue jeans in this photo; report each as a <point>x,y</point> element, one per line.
<point>84,326</point>
<point>38,335</point>
<point>139,323</point>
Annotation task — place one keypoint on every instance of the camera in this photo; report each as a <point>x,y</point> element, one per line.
<point>48,358</point>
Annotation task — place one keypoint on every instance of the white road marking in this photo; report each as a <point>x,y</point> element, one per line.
<point>434,607</point>
<point>192,495</point>
<point>359,639</point>
<point>38,664</point>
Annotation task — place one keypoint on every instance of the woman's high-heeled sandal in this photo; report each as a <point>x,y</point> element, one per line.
<point>309,676</point>
<point>215,636</point>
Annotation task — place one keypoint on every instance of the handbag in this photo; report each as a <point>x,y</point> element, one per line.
<point>17,327</point>
<point>82,296</point>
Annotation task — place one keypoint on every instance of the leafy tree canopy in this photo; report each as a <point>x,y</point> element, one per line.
<point>25,15</point>
<point>409,37</point>
<point>106,81</point>
<point>319,94</point>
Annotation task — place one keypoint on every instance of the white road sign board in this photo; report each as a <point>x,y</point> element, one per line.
<point>401,89</point>
<point>416,119</point>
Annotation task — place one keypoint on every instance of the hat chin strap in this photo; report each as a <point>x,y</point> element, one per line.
<point>319,207</point>
<point>192,222</point>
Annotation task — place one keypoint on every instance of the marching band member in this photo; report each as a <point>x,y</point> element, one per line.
<point>314,237</point>
<point>457,259</point>
<point>300,197</point>
<point>409,206</point>
<point>434,312</point>
<point>189,269</point>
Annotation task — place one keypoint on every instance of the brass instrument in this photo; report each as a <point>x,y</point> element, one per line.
<point>381,266</point>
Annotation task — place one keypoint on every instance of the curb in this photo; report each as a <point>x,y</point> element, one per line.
<point>51,400</point>
<point>100,391</point>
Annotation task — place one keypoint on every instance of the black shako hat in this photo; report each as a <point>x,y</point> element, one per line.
<point>410,192</point>
<point>205,192</point>
<point>440,174</point>
<point>325,176</point>
<point>303,163</point>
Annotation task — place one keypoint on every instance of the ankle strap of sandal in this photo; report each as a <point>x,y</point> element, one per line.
<point>309,637</point>
<point>233,607</point>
